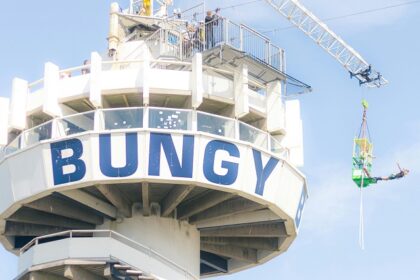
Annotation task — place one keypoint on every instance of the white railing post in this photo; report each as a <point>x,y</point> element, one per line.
<point>146,117</point>
<point>181,42</point>
<point>274,108</point>
<point>51,90</point>
<point>130,9</point>
<point>226,31</point>
<point>194,120</point>
<point>146,79</point>
<point>113,36</point>
<point>237,132</point>
<point>240,88</point>
<point>95,94</point>
<point>98,121</point>
<point>4,120</point>
<point>283,61</point>
<point>197,80</point>
<point>23,137</point>
<point>241,38</point>
<point>17,114</point>
<point>163,33</point>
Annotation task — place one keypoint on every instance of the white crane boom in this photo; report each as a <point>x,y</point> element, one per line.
<point>318,31</point>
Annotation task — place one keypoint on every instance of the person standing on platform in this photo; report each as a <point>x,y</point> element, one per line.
<point>211,21</point>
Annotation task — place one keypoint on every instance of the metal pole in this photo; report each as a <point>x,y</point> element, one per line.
<point>241,38</point>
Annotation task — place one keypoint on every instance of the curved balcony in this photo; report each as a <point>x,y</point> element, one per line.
<point>72,243</point>
<point>137,118</point>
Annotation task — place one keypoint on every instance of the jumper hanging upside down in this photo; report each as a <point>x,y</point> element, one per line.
<point>403,172</point>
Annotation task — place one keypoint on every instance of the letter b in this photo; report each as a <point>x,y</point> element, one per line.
<point>58,162</point>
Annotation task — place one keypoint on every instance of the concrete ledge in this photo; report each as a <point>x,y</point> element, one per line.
<point>101,248</point>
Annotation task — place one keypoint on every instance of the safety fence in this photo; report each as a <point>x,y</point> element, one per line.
<point>137,118</point>
<point>183,41</point>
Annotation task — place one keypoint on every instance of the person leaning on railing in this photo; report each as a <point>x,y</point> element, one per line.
<point>86,67</point>
<point>189,36</point>
<point>211,21</point>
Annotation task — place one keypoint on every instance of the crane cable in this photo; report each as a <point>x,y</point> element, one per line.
<point>222,8</point>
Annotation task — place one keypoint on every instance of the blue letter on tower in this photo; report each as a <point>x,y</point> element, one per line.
<point>164,140</point>
<point>131,156</point>
<point>262,172</point>
<point>231,167</point>
<point>58,162</point>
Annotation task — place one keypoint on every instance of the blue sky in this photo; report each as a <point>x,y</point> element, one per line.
<point>65,32</point>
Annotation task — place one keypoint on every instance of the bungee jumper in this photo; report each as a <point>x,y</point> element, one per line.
<point>403,172</point>
<point>363,156</point>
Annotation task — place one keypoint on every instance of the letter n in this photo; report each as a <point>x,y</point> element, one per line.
<point>164,141</point>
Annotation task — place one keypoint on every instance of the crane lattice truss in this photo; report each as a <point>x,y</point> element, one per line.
<point>318,31</point>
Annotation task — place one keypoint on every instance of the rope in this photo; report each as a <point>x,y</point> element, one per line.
<point>364,126</point>
<point>361,220</point>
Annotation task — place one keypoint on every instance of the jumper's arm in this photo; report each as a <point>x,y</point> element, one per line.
<point>319,32</point>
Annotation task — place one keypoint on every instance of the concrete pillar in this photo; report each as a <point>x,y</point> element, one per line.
<point>95,80</point>
<point>275,110</point>
<point>113,38</point>
<point>77,272</point>
<point>35,275</point>
<point>17,115</point>
<point>178,241</point>
<point>294,132</point>
<point>197,80</point>
<point>51,80</point>
<point>4,120</point>
<point>146,79</point>
<point>240,87</point>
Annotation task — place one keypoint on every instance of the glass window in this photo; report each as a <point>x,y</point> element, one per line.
<point>78,123</point>
<point>37,134</point>
<point>276,147</point>
<point>215,125</point>
<point>169,119</point>
<point>252,135</point>
<point>123,118</point>
<point>13,146</point>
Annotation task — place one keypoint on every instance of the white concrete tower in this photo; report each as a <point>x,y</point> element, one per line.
<point>172,156</point>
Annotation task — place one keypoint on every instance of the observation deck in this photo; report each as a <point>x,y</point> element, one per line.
<point>183,163</point>
<point>229,45</point>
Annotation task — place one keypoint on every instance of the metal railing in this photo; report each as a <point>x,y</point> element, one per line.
<point>182,42</point>
<point>137,118</point>
<point>70,234</point>
<point>223,31</point>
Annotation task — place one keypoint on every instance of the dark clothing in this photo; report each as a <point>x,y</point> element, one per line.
<point>209,18</point>
<point>376,179</point>
<point>213,30</point>
<point>209,22</point>
<point>396,176</point>
<point>390,177</point>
